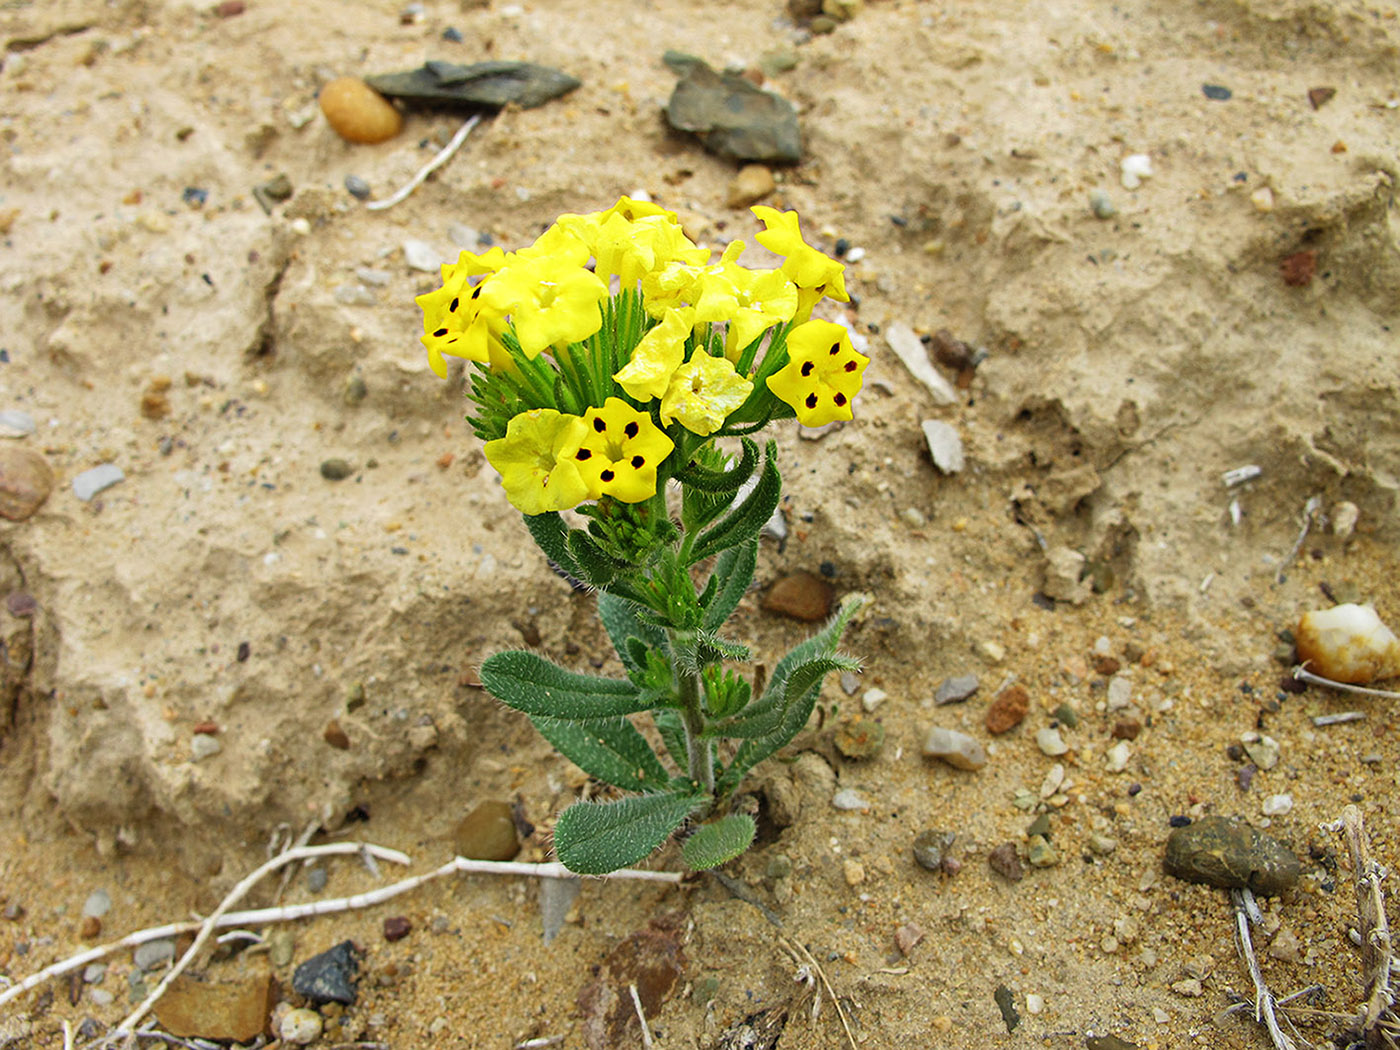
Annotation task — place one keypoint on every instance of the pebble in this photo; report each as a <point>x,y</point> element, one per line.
<point>1034,1003</point>
<point>396,928</point>
<point>956,689</point>
<point>932,847</point>
<point>1189,987</point>
<point>750,185</point>
<point>1216,92</point>
<point>357,187</point>
<point>859,738</point>
<point>420,255</point>
<point>1107,1042</point>
<point>1101,204</point>
<point>90,482</point>
<point>1262,750</point>
<point>204,745</point>
<point>955,748</point>
<point>354,295</point>
<point>16,424</point>
<point>100,996</point>
<point>1120,692</point>
<point>1006,1003</point>
<point>98,904</point>
<point>487,833</point>
<point>1134,168</point>
<point>94,973</point>
<point>801,595</point>
<point>281,945</point>
<point>1286,946</point>
<point>1054,779</point>
<point>1008,710</point>
<point>1005,861</point>
<point>992,652</point>
<point>90,928</point>
<point>1262,199</point>
<point>300,1026</point>
<point>1126,729</point>
<point>853,870</point>
<point>357,112</point>
<point>463,236</point>
<point>872,699</point>
<point>329,977</point>
<point>944,445</point>
<point>236,1011</point>
<point>26,479</point>
<point>1067,716</point>
<point>374,278</point>
<point>154,953</point>
<point>1050,742</point>
<point>910,350</point>
<point>336,469</point>
<point>1345,515</point>
<point>849,799</point>
<point>355,390</point>
<point>334,734</point>
<point>907,937</point>
<point>1102,844</point>
<point>1277,805</point>
<point>1226,852</point>
<point>1040,853</point>
<point>1116,758</point>
<point>316,878</point>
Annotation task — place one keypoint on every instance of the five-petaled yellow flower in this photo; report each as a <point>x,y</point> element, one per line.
<point>620,452</point>
<point>537,461</point>
<point>703,392</point>
<point>823,373</point>
<point>551,301</point>
<point>815,274</point>
<point>658,355</point>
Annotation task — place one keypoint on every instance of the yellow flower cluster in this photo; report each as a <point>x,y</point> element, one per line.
<point>689,367</point>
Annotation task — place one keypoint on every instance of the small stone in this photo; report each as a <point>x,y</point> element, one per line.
<point>1067,716</point>
<point>859,738</point>
<point>1277,805</point>
<point>1134,168</point>
<point>316,878</point>
<point>1216,92</point>
<point>94,973</point>
<point>1065,579</point>
<point>281,947</point>
<point>98,904</point>
<point>357,187</point>
<point>487,833</point>
<point>931,848</point>
<point>90,928</point>
<point>229,8</point>
<point>336,469</point>
<point>731,116</point>
<point>1262,199</point>
<point>1262,750</point>
<point>1126,729</point>
<point>872,699</point>
<point>464,236</point>
<point>420,255</point>
<point>1050,742</point>
<point>1299,268</point>
<point>1226,852</point>
<point>1286,946</point>
<point>300,1026</point>
<point>355,390</point>
<point>357,112</point>
<point>16,424</point>
<point>907,936</point>
<point>750,185</point>
<point>100,996</point>
<point>912,353</point>
<point>1102,844</point>
<point>1345,515</point>
<point>1116,758</point>
<point>956,689</point>
<point>821,25</point>
<point>853,870</point>
<point>801,595</point>
<point>944,445</point>
<point>209,1010</point>
<point>1107,1042</point>
<point>354,295</point>
<point>850,682</point>
<point>1054,780</point>
<point>955,748</point>
<point>1006,1003</point>
<point>1190,987</point>
<point>1034,1003</point>
<point>204,745</point>
<point>991,651</point>
<point>1101,204</point>
<point>849,799</point>
<point>1320,96</point>
<point>1040,853</point>
<point>154,953</point>
<point>336,736</point>
<point>1005,861</point>
<point>1008,710</point>
<point>26,479</point>
<point>330,976</point>
<point>1120,692</point>
<point>90,482</point>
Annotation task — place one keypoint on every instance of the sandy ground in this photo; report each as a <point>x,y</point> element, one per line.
<point>1131,360</point>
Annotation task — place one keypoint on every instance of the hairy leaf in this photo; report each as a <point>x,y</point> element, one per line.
<point>719,841</point>
<point>732,577</point>
<point>620,620</point>
<point>610,749</point>
<point>551,535</point>
<point>594,838</point>
<point>745,521</point>
<point>538,687</point>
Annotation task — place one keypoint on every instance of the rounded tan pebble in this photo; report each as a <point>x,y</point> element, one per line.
<point>357,112</point>
<point>26,479</point>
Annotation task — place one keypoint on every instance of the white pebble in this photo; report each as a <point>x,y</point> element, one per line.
<point>957,749</point>
<point>1117,757</point>
<point>855,255</point>
<point>301,227</point>
<point>98,904</point>
<point>1120,692</point>
<point>1034,1003</point>
<point>203,746</point>
<point>944,445</point>
<point>1053,780</point>
<point>1262,199</point>
<point>849,798</point>
<point>420,255</point>
<point>1050,743</point>
<point>300,1026</point>
<point>1135,167</point>
<point>1277,805</point>
<point>16,424</point>
<point>873,698</point>
<point>90,482</point>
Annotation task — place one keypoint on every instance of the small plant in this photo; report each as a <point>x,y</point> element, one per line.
<point>596,388</point>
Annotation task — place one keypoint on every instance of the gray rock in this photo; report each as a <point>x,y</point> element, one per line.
<point>373,278</point>
<point>90,482</point>
<point>154,953</point>
<point>329,977</point>
<point>931,847</point>
<point>1005,861</point>
<point>16,424</point>
<point>354,295</point>
<point>1040,853</point>
<point>956,689</point>
<point>336,469</point>
<point>281,946</point>
<point>1262,750</point>
<point>1223,851</point>
<point>944,445</point>
<point>557,896</point>
<point>732,117</point>
<point>357,187</point>
<point>482,85</point>
<point>98,904</point>
<point>1050,742</point>
<point>955,748</point>
<point>420,255</point>
<point>463,236</point>
<point>1101,204</point>
<point>849,799</point>
<point>94,973</point>
<point>316,878</point>
<point>100,996</point>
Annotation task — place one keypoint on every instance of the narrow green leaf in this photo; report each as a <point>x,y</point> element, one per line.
<point>733,576</point>
<point>671,726</point>
<point>620,620</point>
<point>594,566</point>
<point>713,647</point>
<point>594,838</point>
<point>534,685</point>
<point>719,841</point>
<point>697,475</point>
<point>610,749</point>
<point>771,713</point>
<point>745,521</point>
<point>551,535</point>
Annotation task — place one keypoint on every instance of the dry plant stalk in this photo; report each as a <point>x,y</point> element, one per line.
<point>1372,925</point>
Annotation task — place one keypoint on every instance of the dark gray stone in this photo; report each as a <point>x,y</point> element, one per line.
<point>931,847</point>
<point>956,689</point>
<point>483,85</point>
<point>329,977</point>
<point>732,117</point>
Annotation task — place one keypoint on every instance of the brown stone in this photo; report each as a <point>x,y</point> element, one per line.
<point>1106,665</point>
<point>907,936</point>
<point>396,928</point>
<point>487,833</point>
<point>1008,710</point>
<point>357,112</point>
<point>802,595</point>
<point>1006,862</point>
<point>334,735</point>
<point>91,928</point>
<point>155,404</point>
<point>26,479</point>
<point>1126,729</point>
<point>649,960</point>
<point>751,185</point>
<point>237,1011</point>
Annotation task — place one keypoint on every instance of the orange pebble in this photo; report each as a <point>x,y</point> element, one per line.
<point>357,112</point>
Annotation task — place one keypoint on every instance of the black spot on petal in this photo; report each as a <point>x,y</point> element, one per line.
<point>452,307</point>
<point>599,425</point>
<point>476,291</point>
<point>850,366</point>
<point>440,333</point>
<point>807,367</point>
<point>607,475</point>
<point>638,462</point>
<point>835,349</point>
<point>584,453</point>
<point>811,400</point>
<point>840,399</point>
<point>631,429</point>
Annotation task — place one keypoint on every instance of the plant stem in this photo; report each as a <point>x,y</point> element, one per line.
<point>698,749</point>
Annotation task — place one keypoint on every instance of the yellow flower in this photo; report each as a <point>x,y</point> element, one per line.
<point>453,320</point>
<point>550,300</point>
<point>814,273</point>
<point>667,288</point>
<point>621,450</point>
<point>537,461</point>
<point>657,356</point>
<point>823,373</point>
<point>703,392</point>
<point>630,247</point>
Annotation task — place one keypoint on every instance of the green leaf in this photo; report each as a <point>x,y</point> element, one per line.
<point>733,575</point>
<point>719,841</point>
<point>773,712</point>
<point>594,566</point>
<point>620,620</point>
<point>745,521</point>
<point>594,838</point>
<point>671,725</point>
<point>611,750</point>
<point>696,475</point>
<point>538,687</point>
<point>551,535</point>
<point>712,647</point>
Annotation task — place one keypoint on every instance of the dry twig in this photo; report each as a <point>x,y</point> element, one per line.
<point>1264,1002</point>
<point>1374,929</point>
<point>641,1016</point>
<point>442,158</point>
<point>795,947</point>
<point>1302,674</point>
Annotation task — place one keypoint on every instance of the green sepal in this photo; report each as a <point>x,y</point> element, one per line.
<point>719,841</point>
<point>551,535</point>
<point>745,521</point>
<point>610,749</point>
<point>594,566</point>
<point>726,693</point>
<point>729,583</point>
<point>594,838</point>
<point>538,687</point>
<point>772,712</point>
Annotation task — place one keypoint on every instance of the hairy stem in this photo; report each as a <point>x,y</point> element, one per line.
<point>698,749</point>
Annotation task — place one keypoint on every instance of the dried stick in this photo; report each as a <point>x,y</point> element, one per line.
<point>1374,929</point>
<point>641,1016</point>
<point>1263,998</point>
<point>442,158</point>
<point>1302,674</point>
<point>797,946</point>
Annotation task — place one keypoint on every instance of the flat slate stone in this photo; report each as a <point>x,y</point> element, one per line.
<point>329,977</point>
<point>732,117</point>
<point>482,85</point>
